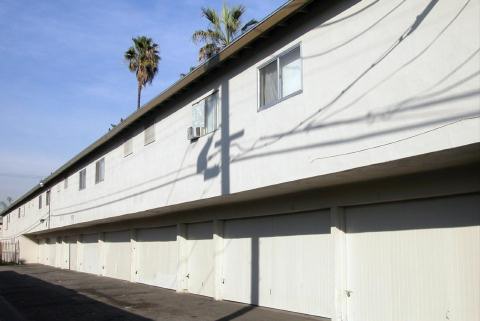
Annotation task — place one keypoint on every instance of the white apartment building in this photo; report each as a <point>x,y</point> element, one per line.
<point>327,163</point>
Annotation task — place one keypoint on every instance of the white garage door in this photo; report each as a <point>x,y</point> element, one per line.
<point>157,256</point>
<point>416,260</point>
<point>72,244</point>
<point>200,263</point>
<point>118,255</point>
<point>52,250</point>
<point>59,253</point>
<point>90,262</point>
<point>63,255</point>
<point>42,252</point>
<point>283,262</point>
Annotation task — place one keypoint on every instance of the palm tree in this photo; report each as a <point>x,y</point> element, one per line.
<point>223,28</point>
<point>143,60</point>
<point>5,204</point>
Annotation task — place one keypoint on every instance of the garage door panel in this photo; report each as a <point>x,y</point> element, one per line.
<point>52,250</point>
<point>282,262</point>
<point>414,259</point>
<point>118,255</point>
<point>91,254</point>
<point>200,258</point>
<point>243,248</point>
<point>42,252</point>
<point>302,255</point>
<point>72,243</point>
<point>157,252</point>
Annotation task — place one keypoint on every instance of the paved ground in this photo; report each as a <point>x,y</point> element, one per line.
<point>37,293</point>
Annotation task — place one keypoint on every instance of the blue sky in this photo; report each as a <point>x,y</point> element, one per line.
<point>63,79</point>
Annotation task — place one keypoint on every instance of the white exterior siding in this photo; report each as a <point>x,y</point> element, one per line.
<point>268,208</point>
<point>350,113</point>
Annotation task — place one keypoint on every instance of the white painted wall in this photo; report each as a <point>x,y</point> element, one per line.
<point>28,249</point>
<point>299,264</point>
<point>367,98</point>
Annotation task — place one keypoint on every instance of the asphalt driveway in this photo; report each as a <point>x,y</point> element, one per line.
<point>38,292</point>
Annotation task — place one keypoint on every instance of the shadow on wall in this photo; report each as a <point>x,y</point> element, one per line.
<point>428,99</point>
<point>49,302</point>
<point>317,120</point>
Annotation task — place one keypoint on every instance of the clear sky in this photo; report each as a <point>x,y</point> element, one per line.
<point>63,79</point>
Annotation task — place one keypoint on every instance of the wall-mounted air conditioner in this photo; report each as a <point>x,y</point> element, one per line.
<point>194,132</point>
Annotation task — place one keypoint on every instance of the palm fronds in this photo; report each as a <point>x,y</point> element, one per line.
<point>143,58</point>
<point>222,30</point>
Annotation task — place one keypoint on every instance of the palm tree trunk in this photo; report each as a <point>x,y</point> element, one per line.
<point>139,94</point>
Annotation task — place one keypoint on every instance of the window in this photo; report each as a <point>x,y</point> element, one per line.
<point>128,147</point>
<point>150,133</point>
<point>39,201</point>
<point>47,198</point>
<point>205,113</point>
<point>281,77</point>
<point>100,171</point>
<point>19,212</point>
<point>82,179</point>
<point>65,183</point>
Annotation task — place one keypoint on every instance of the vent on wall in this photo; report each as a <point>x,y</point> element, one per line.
<point>128,147</point>
<point>149,134</point>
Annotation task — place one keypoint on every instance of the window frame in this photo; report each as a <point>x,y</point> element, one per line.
<point>47,198</point>
<point>280,96</point>
<point>217,111</point>
<point>128,141</point>
<point>149,126</point>
<point>99,179</point>
<point>83,186</point>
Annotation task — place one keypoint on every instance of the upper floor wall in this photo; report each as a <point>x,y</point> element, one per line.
<point>380,81</point>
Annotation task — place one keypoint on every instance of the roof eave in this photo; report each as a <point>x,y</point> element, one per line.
<point>258,30</point>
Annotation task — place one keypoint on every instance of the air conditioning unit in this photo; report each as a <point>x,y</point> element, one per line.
<point>194,132</point>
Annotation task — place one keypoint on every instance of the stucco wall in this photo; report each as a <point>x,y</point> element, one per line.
<point>382,80</point>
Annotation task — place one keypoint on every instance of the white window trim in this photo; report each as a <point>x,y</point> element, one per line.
<point>276,57</point>
<point>80,179</point>
<point>130,140</point>
<point>152,125</point>
<point>97,172</point>
<point>218,110</point>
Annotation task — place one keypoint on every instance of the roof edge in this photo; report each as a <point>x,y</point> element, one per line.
<point>251,35</point>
